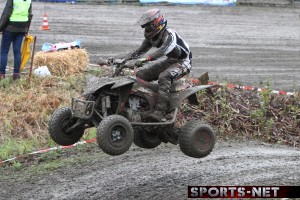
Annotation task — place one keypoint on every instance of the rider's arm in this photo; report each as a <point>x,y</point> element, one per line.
<point>146,46</point>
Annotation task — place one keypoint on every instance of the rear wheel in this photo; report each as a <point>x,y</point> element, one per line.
<point>115,135</point>
<point>60,127</point>
<point>196,140</point>
<point>146,139</point>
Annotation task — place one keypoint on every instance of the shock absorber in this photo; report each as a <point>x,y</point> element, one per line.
<point>106,104</point>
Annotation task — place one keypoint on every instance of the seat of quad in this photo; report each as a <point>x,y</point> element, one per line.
<point>176,86</point>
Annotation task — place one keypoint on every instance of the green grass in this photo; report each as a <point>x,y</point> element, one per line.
<point>39,164</point>
<point>12,147</point>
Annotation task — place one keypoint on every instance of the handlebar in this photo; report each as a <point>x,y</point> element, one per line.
<point>118,65</point>
<point>118,71</point>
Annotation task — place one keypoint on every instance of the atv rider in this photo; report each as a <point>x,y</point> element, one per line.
<point>176,64</point>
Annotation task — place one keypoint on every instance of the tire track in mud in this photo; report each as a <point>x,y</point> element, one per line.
<point>164,173</point>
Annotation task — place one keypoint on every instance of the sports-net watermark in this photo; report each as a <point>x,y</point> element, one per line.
<point>243,191</point>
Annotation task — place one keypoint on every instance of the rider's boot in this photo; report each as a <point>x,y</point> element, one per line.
<point>159,114</point>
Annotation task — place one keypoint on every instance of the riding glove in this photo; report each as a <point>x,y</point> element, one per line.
<point>141,61</point>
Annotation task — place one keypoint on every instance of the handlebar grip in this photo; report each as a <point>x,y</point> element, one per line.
<point>118,71</point>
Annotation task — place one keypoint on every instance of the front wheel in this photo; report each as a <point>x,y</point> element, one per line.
<point>196,140</point>
<point>115,135</point>
<point>61,128</point>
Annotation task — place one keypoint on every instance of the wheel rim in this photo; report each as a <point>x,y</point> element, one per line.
<point>118,136</point>
<point>202,140</point>
<point>65,124</point>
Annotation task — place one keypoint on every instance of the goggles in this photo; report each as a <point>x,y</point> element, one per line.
<point>149,26</point>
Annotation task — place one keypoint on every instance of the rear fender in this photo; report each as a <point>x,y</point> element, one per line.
<point>190,94</point>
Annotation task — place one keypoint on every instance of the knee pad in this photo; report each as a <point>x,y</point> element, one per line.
<point>169,74</point>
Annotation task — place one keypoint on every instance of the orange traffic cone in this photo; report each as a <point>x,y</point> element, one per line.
<point>45,25</point>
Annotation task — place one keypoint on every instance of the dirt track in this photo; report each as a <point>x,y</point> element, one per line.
<point>242,44</point>
<point>246,45</point>
<point>162,173</point>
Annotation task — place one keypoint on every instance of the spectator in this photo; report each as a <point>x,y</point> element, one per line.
<point>14,25</point>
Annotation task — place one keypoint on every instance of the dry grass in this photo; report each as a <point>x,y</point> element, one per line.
<point>26,106</point>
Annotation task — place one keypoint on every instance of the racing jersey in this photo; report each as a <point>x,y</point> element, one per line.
<point>168,43</point>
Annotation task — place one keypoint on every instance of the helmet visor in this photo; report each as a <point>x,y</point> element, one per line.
<point>149,27</point>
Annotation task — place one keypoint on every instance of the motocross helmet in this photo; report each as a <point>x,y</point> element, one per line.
<point>153,22</point>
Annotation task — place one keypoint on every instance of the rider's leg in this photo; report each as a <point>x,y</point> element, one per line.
<point>152,70</point>
<point>163,97</point>
<point>165,79</point>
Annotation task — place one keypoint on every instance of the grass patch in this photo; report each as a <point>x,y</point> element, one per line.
<point>13,147</point>
<point>38,164</point>
<point>26,108</point>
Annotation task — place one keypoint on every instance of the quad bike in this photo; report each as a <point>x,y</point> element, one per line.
<point>117,105</point>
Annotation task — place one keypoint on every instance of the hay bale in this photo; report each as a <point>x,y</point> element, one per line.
<point>63,63</point>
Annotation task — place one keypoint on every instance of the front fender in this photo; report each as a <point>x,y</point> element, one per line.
<point>178,97</point>
<point>94,84</point>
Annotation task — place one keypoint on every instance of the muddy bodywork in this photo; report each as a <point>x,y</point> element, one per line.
<point>190,94</point>
<point>94,84</point>
<point>118,107</point>
<point>180,90</point>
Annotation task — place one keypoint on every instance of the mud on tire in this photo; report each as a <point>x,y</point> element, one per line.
<point>59,122</point>
<point>196,140</point>
<point>115,135</point>
<point>146,139</point>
